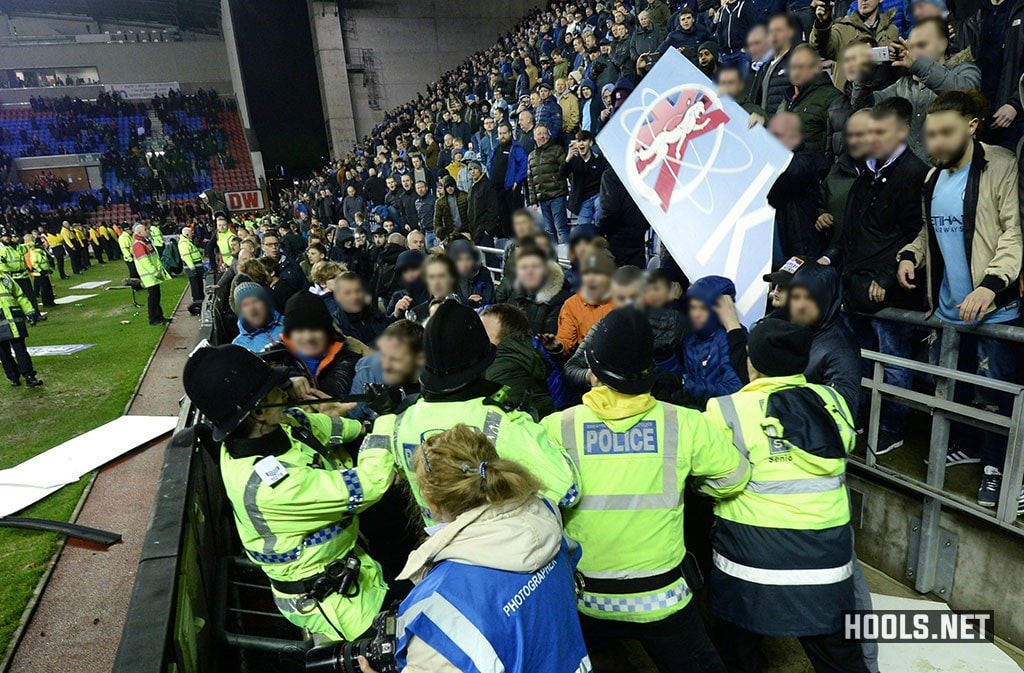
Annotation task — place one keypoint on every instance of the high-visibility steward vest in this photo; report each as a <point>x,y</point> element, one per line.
<point>224,245</point>
<point>53,240</point>
<point>94,236</point>
<point>12,260</point>
<point>14,305</point>
<point>68,238</point>
<point>783,548</point>
<point>191,255</point>
<point>147,263</point>
<point>39,262</point>
<point>515,434</point>
<point>634,455</point>
<point>156,236</point>
<point>124,241</point>
<point>295,495</point>
<point>477,618</point>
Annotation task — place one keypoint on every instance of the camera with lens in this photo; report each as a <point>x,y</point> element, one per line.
<point>379,650</point>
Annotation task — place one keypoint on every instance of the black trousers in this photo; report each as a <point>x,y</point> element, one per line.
<point>195,283</point>
<point>509,201</point>
<point>83,257</point>
<point>60,254</point>
<point>132,272</point>
<point>76,260</point>
<point>97,249</point>
<point>15,359</point>
<point>156,312</point>
<point>26,287</point>
<point>830,653</point>
<point>676,644</point>
<point>44,289</point>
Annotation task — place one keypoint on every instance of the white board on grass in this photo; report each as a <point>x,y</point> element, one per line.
<point>91,285</point>
<point>37,477</point>
<point>72,298</point>
<point>61,349</point>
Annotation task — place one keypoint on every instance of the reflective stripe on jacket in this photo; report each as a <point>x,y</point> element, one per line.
<point>783,548</point>
<point>294,527</point>
<point>634,455</point>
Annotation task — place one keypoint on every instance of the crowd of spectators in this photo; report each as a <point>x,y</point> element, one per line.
<point>502,148</point>
<point>488,190</point>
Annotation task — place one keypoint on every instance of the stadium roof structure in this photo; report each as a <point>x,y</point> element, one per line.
<point>201,16</point>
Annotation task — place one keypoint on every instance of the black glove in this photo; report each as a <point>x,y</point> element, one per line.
<point>33,317</point>
<point>386,398</point>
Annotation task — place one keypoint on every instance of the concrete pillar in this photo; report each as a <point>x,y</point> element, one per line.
<point>255,155</point>
<point>332,71</point>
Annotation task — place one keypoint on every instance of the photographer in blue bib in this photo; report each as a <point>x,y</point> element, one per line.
<point>494,581</point>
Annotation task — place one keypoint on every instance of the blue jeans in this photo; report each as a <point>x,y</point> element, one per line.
<point>430,239</point>
<point>889,338</point>
<point>993,359</point>
<point>739,59</point>
<point>590,210</point>
<point>555,219</point>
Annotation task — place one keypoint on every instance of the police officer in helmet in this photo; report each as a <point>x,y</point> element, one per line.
<point>457,352</point>
<point>294,491</point>
<point>634,455</point>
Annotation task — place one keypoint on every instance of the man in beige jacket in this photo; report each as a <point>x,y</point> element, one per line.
<point>971,246</point>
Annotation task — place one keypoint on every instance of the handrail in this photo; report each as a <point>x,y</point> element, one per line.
<point>995,331</point>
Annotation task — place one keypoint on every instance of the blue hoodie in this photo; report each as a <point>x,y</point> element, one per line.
<point>705,352</point>
<point>255,340</point>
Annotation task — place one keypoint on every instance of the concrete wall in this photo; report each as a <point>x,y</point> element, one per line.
<point>415,42</point>
<point>988,573</point>
<point>201,63</point>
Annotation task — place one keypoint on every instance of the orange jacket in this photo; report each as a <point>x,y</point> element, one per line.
<point>576,318</point>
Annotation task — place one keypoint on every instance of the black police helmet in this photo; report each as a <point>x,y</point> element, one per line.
<point>226,383</point>
<point>455,347</point>
<point>620,351</point>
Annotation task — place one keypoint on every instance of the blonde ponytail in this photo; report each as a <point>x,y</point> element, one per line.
<point>460,469</point>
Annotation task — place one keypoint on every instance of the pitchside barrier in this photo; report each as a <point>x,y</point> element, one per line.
<point>198,605</point>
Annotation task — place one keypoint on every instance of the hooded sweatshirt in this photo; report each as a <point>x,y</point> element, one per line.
<point>835,356</point>
<point>708,371</point>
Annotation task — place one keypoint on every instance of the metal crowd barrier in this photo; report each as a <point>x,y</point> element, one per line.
<point>944,410</point>
<point>497,272</point>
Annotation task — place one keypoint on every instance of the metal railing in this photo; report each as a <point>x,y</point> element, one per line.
<point>497,271</point>
<point>944,410</point>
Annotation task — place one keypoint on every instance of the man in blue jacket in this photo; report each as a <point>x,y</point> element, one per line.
<point>507,170</point>
<point>708,369</point>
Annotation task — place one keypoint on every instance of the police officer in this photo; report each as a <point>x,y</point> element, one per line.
<point>151,272</point>
<point>15,311</point>
<point>124,242</point>
<point>192,261</point>
<point>294,491</point>
<point>783,548</point>
<point>40,268</point>
<point>634,455</point>
<point>453,390</point>
<point>14,263</point>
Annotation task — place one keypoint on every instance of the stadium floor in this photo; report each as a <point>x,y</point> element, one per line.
<point>81,391</point>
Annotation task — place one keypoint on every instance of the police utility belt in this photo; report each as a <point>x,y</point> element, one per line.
<point>687,570</point>
<point>340,577</point>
